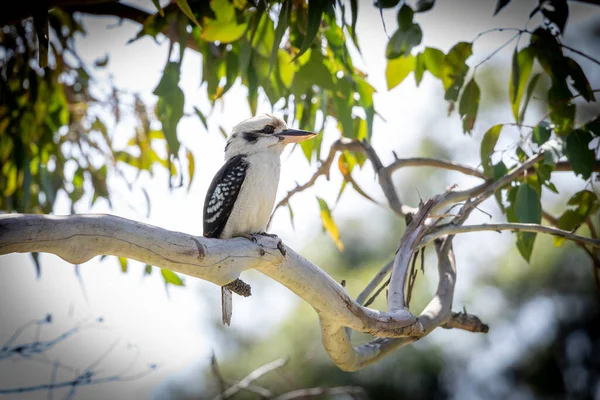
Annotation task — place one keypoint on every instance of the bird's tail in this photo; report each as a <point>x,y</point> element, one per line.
<point>226,305</point>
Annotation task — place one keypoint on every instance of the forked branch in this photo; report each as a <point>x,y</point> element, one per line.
<point>79,238</point>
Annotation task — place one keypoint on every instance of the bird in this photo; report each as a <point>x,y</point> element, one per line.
<point>241,196</point>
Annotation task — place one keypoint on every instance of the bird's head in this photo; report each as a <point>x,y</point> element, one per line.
<point>261,134</point>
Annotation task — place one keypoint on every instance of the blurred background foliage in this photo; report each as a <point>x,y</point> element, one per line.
<point>300,54</point>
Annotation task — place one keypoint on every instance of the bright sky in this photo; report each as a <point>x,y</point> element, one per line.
<point>170,329</point>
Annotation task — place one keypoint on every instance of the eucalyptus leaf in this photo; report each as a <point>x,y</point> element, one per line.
<point>528,209</point>
<point>577,150</point>
<point>469,104</point>
<point>488,143</point>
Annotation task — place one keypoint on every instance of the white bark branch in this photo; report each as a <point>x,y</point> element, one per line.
<point>79,238</point>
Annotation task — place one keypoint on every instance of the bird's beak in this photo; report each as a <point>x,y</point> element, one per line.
<point>295,135</point>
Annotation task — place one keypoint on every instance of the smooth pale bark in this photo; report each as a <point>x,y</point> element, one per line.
<point>78,238</point>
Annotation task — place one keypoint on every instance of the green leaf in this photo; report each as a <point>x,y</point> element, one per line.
<point>563,118</point>
<point>343,109</point>
<point>469,103</point>
<point>291,215</point>
<point>315,15</point>
<point>541,133</point>
<point>433,59</point>
<point>522,63</point>
<point>499,170</point>
<point>429,60</point>
<point>500,4</point>
<point>191,167</point>
<point>488,143</point>
<point>314,72</point>
<point>308,146</point>
<point>549,54</point>
<point>153,25</point>
<point>405,17</point>
<point>386,3</point>
<point>264,37</point>
<point>282,24</point>
<point>101,62</point>
<point>11,179</point>
<point>403,41</point>
<point>577,150</point>
<point>366,91</point>
<point>360,129</point>
<point>544,171</point>
<point>398,69</point>
<point>580,81</point>
<point>123,262</point>
<point>530,89</point>
<point>285,68</point>
<point>185,7</point>
<point>202,117</point>
<point>148,269</point>
<point>586,204</point>
<point>170,105</point>
<point>557,11</point>
<point>158,7</point>
<point>528,209</point>
<point>171,277</point>
<point>419,69</point>
<point>454,69</point>
<point>553,151</point>
<point>593,126</point>
<point>424,5</point>
<point>329,224</point>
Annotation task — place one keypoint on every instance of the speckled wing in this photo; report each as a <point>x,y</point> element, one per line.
<point>222,194</point>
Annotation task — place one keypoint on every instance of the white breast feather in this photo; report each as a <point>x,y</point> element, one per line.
<point>256,199</point>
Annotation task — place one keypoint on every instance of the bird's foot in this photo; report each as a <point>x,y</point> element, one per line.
<point>280,245</point>
<point>251,236</point>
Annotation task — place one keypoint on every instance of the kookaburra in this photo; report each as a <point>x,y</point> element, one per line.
<point>241,196</point>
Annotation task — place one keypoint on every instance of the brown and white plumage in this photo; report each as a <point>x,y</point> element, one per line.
<point>242,194</point>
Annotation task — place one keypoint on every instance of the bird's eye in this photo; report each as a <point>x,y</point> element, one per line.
<point>268,129</point>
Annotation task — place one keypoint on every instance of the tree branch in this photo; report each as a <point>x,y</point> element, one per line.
<point>24,9</point>
<point>352,391</point>
<point>323,169</point>
<point>385,181</point>
<point>432,162</point>
<point>79,238</point>
<point>251,377</point>
<point>453,229</point>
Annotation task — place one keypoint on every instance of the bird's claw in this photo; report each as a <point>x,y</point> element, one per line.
<point>252,237</point>
<point>271,235</point>
<point>280,245</point>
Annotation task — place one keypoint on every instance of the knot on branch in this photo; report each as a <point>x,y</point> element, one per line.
<point>239,287</point>
<point>467,322</point>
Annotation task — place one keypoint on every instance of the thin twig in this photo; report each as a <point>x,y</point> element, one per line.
<point>372,298</point>
<point>214,366</point>
<point>323,169</point>
<point>493,53</point>
<point>385,180</point>
<point>383,272</point>
<point>432,162</point>
<point>251,377</point>
<point>322,391</point>
<point>582,54</point>
<point>451,229</point>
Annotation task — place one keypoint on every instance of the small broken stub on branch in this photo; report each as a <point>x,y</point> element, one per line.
<point>240,287</point>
